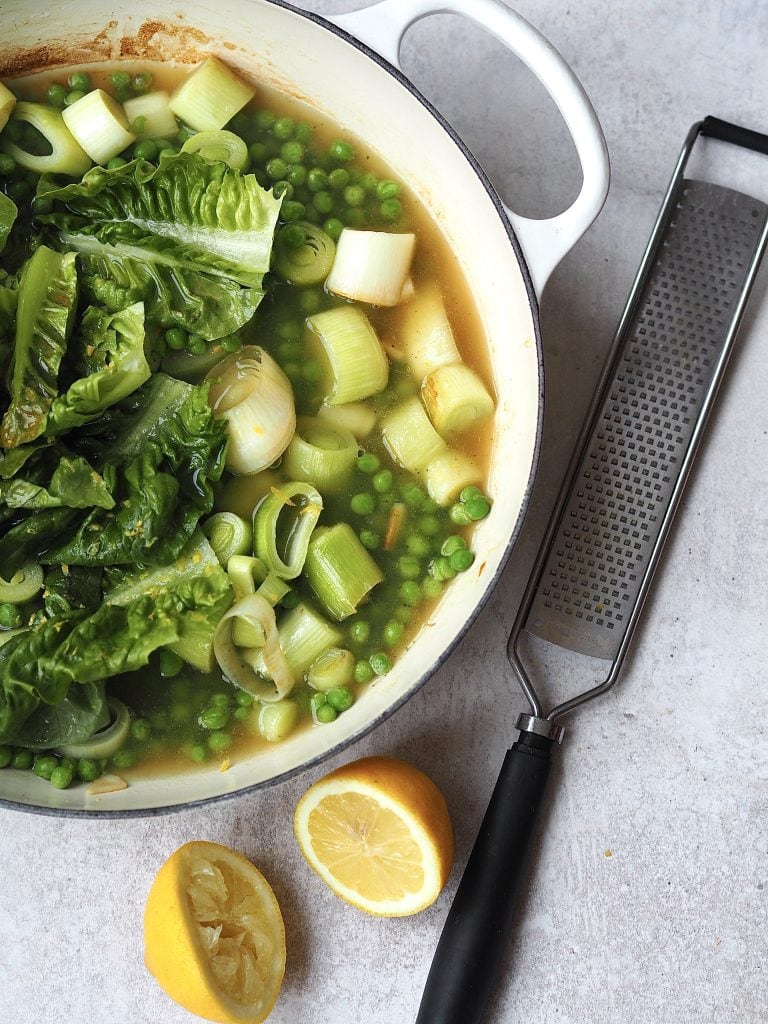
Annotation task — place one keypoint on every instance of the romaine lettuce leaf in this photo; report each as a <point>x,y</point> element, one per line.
<point>75,719</point>
<point>70,588</point>
<point>73,484</point>
<point>47,299</point>
<point>191,238</point>
<point>8,215</point>
<point>112,361</point>
<point>28,537</point>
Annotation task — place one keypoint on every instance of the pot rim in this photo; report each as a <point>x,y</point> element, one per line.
<point>138,812</point>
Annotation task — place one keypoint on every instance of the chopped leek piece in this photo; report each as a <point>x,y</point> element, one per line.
<point>334,668</point>
<point>307,263</point>
<point>287,517</point>
<point>277,720</point>
<point>274,588</point>
<point>244,573</point>
<point>7,103</point>
<point>340,570</point>
<point>108,740</point>
<point>221,145</point>
<point>409,437</point>
<point>66,156</point>
<point>157,120</point>
<point>252,393</point>
<point>23,585</point>
<point>456,399</point>
<point>446,475</point>
<point>211,96</point>
<point>98,123</point>
<point>371,266</point>
<point>263,672</point>
<point>425,337</point>
<point>357,417</point>
<point>357,365</point>
<point>304,636</point>
<point>248,634</point>
<point>321,454</point>
<point>229,535</point>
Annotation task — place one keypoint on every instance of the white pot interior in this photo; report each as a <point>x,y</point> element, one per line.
<point>289,51</point>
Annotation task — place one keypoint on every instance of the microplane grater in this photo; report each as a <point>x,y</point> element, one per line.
<point>611,520</point>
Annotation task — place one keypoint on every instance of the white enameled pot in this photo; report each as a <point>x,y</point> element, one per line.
<point>348,67</point>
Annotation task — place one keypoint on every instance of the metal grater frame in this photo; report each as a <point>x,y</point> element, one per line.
<point>643,429</point>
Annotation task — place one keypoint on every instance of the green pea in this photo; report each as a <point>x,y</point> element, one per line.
<point>142,82</point>
<point>22,759</point>
<point>170,663</point>
<point>442,569</point>
<point>276,169</point>
<point>469,492</point>
<point>383,481</point>
<point>159,720</point>
<point>417,545</point>
<point>282,189</point>
<point>290,600</point>
<point>181,689</point>
<point>283,128</point>
<point>317,179</point>
<point>380,662</point>
<point>214,718</point>
<point>79,80</point>
<point>312,371</point>
<point>241,714</point>
<point>310,300</point>
<point>341,151</point>
<point>363,672</point>
<point>220,700</point>
<point>333,227</point>
<point>61,777</point>
<point>138,124</point>
<point>293,371</point>
<point>391,210</point>
<point>363,504</point>
<point>303,131</point>
<point>219,741</point>
<point>124,759</point>
<point>115,163</point>
<point>431,588</point>
<point>120,79</point>
<point>141,730</point>
<point>7,164</point>
<point>355,218</point>
<point>88,769</point>
<point>240,123</point>
<point>289,350</point>
<point>458,515</point>
<point>477,507</point>
<point>338,179</point>
<point>387,189</point>
<point>340,698</point>
<point>231,343</point>
<point>257,151</point>
<point>145,150</point>
<point>10,616</point>
<point>291,210</point>
<point>409,567</point>
<point>196,346</point>
<point>73,96</point>
<point>354,195</point>
<point>56,94</point>
<point>181,712</point>
<point>370,539</point>
<point>392,633</point>
<point>359,631</point>
<point>265,119</point>
<point>6,755</point>
<point>292,152</point>
<point>451,544</point>
<point>297,175</point>
<point>44,765</point>
<point>326,714</point>
<point>198,753</point>
<point>243,698</point>
<point>413,495</point>
<point>368,462</point>
<point>370,182</point>
<point>429,525</point>
<point>461,560</point>
<point>322,201</point>
<point>410,593</point>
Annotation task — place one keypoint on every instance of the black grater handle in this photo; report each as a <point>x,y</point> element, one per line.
<point>715,128</point>
<point>474,938</point>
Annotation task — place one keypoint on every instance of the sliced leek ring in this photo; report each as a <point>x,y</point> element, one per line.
<point>106,742</point>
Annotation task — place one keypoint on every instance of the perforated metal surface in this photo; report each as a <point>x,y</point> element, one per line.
<point>616,506</point>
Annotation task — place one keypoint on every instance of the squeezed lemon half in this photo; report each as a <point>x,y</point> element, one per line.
<point>377,831</point>
<point>214,935</point>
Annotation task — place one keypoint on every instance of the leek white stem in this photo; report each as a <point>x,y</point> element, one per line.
<point>425,337</point>
<point>277,720</point>
<point>356,417</point>
<point>158,120</point>
<point>321,454</point>
<point>334,668</point>
<point>252,393</point>
<point>238,665</point>
<point>409,437</point>
<point>340,570</point>
<point>7,103</point>
<point>456,399</point>
<point>99,125</point>
<point>66,156</point>
<point>304,636</point>
<point>446,475</point>
<point>211,96</point>
<point>357,365</point>
<point>371,266</point>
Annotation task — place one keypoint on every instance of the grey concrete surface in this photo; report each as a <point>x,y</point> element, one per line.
<point>647,899</point>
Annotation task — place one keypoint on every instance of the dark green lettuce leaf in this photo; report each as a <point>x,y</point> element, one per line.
<point>73,484</point>
<point>71,588</point>
<point>190,238</point>
<point>75,719</point>
<point>8,215</point>
<point>110,357</point>
<point>24,539</point>
<point>41,664</point>
<point>46,302</point>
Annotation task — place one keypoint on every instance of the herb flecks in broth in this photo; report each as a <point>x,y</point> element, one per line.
<point>242,443</point>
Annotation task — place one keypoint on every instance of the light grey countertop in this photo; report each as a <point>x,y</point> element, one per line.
<point>648,893</point>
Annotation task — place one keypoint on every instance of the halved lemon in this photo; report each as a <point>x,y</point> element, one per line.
<point>377,831</point>
<point>214,935</point>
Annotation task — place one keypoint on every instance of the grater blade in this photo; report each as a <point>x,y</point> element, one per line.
<point>669,359</point>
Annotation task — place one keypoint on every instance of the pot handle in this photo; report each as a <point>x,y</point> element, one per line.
<point>545,242</point>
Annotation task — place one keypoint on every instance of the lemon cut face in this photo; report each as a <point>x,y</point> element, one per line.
<point>214,934</point>
<point>378,833</point>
